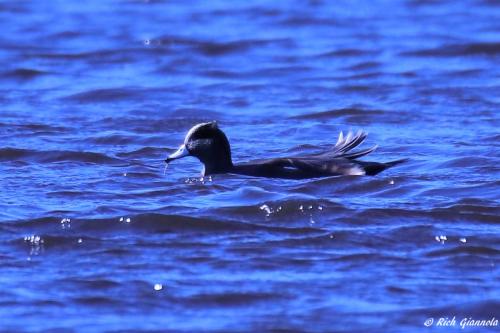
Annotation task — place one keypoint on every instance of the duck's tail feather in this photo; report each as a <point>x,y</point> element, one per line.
<point>350,141</point>
<point>396,162</point>
<point>373,168</point>
<point>361,153</point>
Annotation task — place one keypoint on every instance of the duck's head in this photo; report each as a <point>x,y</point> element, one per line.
<point>210,145</point>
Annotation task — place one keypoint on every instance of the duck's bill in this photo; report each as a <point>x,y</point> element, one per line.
<point>180,153</point>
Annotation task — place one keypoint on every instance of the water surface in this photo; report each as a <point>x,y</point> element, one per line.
<point>95,94</point>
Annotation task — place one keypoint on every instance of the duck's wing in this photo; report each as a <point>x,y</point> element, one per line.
<point>344,145</point>
<point>299,168</point>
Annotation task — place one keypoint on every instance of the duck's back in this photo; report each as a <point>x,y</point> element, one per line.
<point>340,160</point>
<point>298,168</point>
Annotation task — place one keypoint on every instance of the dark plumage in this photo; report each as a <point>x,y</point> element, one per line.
<point>210,145</point>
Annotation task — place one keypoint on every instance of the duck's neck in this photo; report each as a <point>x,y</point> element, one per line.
<point>220,166</point>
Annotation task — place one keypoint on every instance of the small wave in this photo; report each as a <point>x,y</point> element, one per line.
<point>216,48</point>
<point>68,194</point>
<point>465,250</point>
<point>222,74</point>
<point>146,223</point>
<point>221,48</point>
<point>465,73</point>
<point>336,113</point>
<point>231,299</point>
<point>113,139</point>
<point>493,3</point>
<point>365,65</point>
<point>111,56</point>
<point>349,52</point>
<point>174,121</point>
<point>469,213</point>
<point>146,151</point>
<point>16,154</point>
<point>369,75</point>
<point>306,148</point>
<point>71,156</point>
<point>95,284</point>
<point>368,256</point>
<point>458,50</point>
<point>494,139</point>
<point>9,154</point>
<point>95,300</point>
<point>467,162</point>
<point>290,210</point>
<point>12,7</point>
<point>305,20</point>
<point>268,72</point>
<point>40,128</point>
<point>398,290</point>
<point>67,34</point>
<point>23,74</point>
<point>106,95</point>
<point>361,88</point>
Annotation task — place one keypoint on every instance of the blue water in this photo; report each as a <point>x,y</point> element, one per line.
<point>95,237</point>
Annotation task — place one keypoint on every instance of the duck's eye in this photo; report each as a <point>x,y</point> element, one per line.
<point>199,144</point>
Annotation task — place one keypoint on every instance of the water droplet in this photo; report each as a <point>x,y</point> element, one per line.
<point>320,207</point>
<point>36,244</point>
<point>463,240</point>
<point>80,240</point>
<point>125,174</point>
<point>158,287</point>
<point>267,209</point>
<point>331,236</point>
<point>128,220</point>
<point>441,238</point>
<point>391,182</point>
<point>35,240</point>
<point>65,223</point>
<point>121,219</point>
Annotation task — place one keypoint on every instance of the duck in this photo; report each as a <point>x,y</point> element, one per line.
<point>208,143</point>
